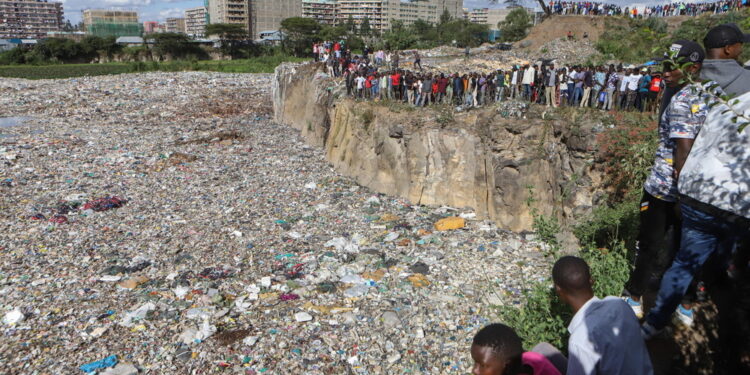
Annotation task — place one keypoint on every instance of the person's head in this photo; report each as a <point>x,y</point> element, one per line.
<point>496,350</point>
<point>572,278</point>
<point>724,42</point>
<point>688,52</point>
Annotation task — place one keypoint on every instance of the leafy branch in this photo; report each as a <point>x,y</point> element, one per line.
<point>716,96</point>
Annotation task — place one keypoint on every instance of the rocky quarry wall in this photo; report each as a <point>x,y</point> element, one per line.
<point>489,159</point>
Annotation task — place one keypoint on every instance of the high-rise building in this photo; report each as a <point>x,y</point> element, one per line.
<point>323,11</point>
<point>380,13</point>
<point>195,22</point>
<point>176,25</point>
<point>266,15</point>
<point>230,11</point>
<point>104,23</point>
<point>29,18</point>
<point>490,17</point>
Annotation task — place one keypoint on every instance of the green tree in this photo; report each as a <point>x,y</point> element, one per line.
<point>350,25</point>
<point>175,46</point>
<point>300,34</point>
<point>445,17</point>
<point>365,29</point>
<point>465,33</point>
<point>516,25</point>
<point>230,37</point>
<point>334,33</point>
<point>399,37</point>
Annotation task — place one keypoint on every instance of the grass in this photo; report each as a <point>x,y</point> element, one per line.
<point>262,64</point>
<point>62,71</point>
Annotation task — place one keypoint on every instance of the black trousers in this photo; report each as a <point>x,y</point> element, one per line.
<point>658,242</point>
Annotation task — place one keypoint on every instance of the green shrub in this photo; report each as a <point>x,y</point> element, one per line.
<point>544,318</point>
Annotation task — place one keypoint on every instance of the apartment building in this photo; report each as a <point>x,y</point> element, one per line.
<point>230,11</point>
<point>323,11</point>
<point>149,27</point>
<point>266,15</point>
<point>195,22</point>
<point>104,23</point>
<point>176,25</point>
<point>29,19</point>
<point>490,17</point>
<point>381,12</point>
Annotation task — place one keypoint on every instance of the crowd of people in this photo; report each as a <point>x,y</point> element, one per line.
<point>694,226</point>
<point>610,87</point>
<point>665,10</point>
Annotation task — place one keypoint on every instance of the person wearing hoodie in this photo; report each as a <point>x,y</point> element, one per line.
<point>723,47</point>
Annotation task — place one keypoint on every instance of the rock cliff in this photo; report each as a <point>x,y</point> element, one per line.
<point>488,159</point>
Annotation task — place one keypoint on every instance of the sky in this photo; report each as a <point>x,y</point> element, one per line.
<point>159,10</point>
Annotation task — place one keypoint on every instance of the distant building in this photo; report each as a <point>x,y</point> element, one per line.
<point>230,11</point>
<point>29,18</point>
<point>150,27</point>
<point>323,11</point>
<point>176,25</point>
<point>268,14</point>
<point>380,13</point>
<point>195,22</point>
<point>130,41</point>
<point>76,36</point>
<point>104,23</point>
<point>6,45</point>
<point>490,17</point>
<point>271,37</point>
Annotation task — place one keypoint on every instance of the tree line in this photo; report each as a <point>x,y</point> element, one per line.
<point>299,34</point>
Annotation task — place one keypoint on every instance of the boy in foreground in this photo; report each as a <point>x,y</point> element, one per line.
<point>496,350</point>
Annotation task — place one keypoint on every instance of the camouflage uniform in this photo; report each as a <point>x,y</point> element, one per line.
<point>682,118</point>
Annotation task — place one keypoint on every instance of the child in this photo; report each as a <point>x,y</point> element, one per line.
<point>496,350</point>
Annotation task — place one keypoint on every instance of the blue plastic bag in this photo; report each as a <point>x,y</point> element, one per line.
<point>100,364</point>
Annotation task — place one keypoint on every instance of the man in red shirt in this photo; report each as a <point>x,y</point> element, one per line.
<point>396,83</point>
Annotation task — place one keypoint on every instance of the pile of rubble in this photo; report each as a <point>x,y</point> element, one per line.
<point>162,223</point>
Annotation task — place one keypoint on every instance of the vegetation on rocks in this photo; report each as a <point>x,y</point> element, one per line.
<point>607,236</point>
<point>636,41</point>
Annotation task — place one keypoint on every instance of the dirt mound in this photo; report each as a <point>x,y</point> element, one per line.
<point>558,26</point>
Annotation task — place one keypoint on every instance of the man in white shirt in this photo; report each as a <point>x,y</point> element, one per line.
<point>528,79</point>
<point>622,96</point>
<point>514,83</point>
<point>633,80</point>
<point>605,337</point>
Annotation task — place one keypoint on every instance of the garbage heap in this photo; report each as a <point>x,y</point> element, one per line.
<point>164,223</point>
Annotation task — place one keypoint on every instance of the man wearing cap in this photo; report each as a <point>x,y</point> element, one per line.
<point>723,47</point>
<point>678,127</point>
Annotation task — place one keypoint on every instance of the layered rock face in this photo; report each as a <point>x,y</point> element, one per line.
<point>501,167</point>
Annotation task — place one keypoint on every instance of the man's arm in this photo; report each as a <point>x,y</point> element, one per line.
<point>684,145</point>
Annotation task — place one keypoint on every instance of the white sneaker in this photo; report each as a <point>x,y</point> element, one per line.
<point>684,316</point>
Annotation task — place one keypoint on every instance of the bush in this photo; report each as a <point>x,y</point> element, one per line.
<point>636,41</point>
<point>516,25</point>
<point>544,318</point>
<point>627,149</point>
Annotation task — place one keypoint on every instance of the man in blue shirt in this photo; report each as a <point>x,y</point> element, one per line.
<point>605,337</point>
